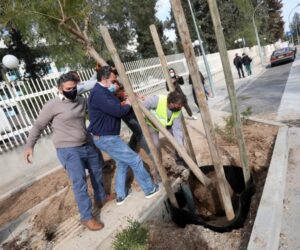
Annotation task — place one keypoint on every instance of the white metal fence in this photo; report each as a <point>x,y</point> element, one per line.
<point>21,101</point>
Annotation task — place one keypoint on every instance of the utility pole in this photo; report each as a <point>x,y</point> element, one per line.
<point>256,34</point>
<point>210,79</point>
<point>230,87</point>
<point>291,25</point>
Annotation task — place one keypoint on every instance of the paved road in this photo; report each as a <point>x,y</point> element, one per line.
<point>264,94</point>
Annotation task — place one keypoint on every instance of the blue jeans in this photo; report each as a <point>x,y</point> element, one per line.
<point>125,157</point>
<point>75,160</point>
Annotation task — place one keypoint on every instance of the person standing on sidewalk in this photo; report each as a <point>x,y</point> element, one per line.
<point>74,147</point>
<point>247,62</point>
<point>106,111</point>
<point>207,93</point>
<point>238,63</point>
<point>177,81</point>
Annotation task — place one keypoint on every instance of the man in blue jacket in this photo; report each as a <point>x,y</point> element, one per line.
<point>105,112</point>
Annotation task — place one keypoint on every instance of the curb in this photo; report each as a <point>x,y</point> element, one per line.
<point>266,230</point>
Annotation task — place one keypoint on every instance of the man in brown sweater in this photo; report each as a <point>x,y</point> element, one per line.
<point>74,149</point>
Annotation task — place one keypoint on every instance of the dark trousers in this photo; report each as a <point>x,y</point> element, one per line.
<point>137,137</point>
<point>240,69</point>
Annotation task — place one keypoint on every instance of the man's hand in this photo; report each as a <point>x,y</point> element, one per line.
<point>28,153</point>
<point>128,102</point>
<point>140,97</point>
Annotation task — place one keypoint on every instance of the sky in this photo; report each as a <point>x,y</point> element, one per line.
<point>163,12</point>
<point>288,6</point>
<point>163,8</point>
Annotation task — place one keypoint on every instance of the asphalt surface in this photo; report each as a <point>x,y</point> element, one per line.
<point>264,94</point>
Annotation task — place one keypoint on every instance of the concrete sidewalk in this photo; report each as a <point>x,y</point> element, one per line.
<point>289,234</point>
<point>277,224</point>
<point>289,112</point>
<point>290,103</point>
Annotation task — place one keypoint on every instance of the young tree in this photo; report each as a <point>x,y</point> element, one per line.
<point>70,27</point>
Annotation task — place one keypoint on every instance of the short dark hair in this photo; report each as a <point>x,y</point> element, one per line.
<point>74,73</point>
<point>176,97</point>
<point>104,72</point>
<point>111,63</point>
<point>70,76</point>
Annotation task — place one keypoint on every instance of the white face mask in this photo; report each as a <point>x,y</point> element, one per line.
<point>172,74</point>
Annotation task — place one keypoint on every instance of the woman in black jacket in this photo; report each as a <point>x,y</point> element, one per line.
<point>177,81</point>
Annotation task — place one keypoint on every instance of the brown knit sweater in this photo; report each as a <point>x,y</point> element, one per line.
<point>67,120</point>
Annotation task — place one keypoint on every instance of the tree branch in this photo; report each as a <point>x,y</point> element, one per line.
<point>43,14</point>
<point>78,34</point>
<point>86,25</point>
<point>75,24</point>
<point>61,10</point>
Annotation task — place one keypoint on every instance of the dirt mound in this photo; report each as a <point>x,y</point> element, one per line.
<point>17,204</point>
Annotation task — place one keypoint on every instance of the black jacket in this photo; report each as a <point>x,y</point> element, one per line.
<point>246,60</point>
<point>237,61</point>
<point>179,81</point>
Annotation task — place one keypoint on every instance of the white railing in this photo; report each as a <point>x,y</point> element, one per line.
<point>21,101</point>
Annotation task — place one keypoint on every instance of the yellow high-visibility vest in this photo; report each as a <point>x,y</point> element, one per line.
<point>161,113</point>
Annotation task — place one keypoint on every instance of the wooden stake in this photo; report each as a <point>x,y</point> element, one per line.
<point>181,151</point>
<point>164,65</point>
<point>206,118</point>
<point>230,87</point>
<point>135,105</point>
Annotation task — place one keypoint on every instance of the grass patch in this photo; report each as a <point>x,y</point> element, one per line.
<point>228,132</point>
<point>134,237</point>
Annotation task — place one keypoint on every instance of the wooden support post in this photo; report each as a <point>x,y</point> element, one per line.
<point>181,151</point>
<point>206,118</point>
<point>135,105</point>
<point>164,65</point>
<point>230,87</point>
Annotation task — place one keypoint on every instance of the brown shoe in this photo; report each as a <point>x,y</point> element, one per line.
<point>92,224</point>
<point>100,204</point>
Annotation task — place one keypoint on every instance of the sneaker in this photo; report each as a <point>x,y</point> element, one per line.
<point>153,192</point>
<point>194,117</point>
<point>121,200</point>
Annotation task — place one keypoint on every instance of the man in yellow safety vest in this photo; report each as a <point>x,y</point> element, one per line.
<point>167,109</point>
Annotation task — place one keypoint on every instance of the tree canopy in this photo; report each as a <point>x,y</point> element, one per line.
<point>236,17</point>
<point>70,28</point>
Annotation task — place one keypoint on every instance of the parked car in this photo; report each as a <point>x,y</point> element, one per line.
<point>282,55</point>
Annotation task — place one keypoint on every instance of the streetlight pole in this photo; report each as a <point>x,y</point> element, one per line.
<point>256,34</point>
<point>210,79</point>
<point>297,24</point>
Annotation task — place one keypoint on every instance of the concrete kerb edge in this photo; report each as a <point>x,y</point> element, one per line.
<point>266,230</point>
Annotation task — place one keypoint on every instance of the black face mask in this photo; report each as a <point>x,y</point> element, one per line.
<point>175,109</point>
<point>70,94</point>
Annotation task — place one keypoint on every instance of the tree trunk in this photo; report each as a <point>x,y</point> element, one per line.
<point>93,53</point>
